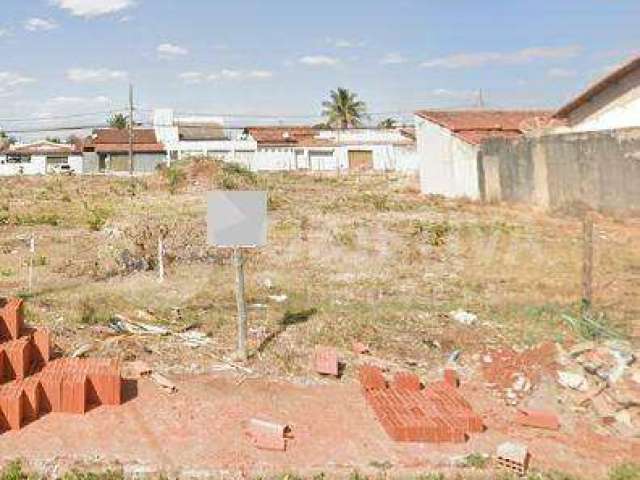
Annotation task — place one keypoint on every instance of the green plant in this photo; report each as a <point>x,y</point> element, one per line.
<point>356,475</point>
<point>476,460</point>
<point>431,476</point>
<point>343,109</point>
<point>31,219</point>
<point>97,217</point>
<point>625,471</point>
<point>434,233</point>
<point>13,471</point>
<point>92,314</point>
<point>174,176</point>
<point>106,475</point>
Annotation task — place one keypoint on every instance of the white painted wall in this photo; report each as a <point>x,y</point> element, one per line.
<point>616,107</point>
<point>37,166</point>
<point>448,165</point>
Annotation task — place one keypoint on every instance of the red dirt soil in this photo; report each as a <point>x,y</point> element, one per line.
<point>203,428</point>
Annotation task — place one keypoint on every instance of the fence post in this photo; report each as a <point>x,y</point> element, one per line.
<point>587,264</point>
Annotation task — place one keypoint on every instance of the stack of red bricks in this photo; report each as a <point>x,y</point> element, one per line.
<point>410,413</point>
<point>33,384</point>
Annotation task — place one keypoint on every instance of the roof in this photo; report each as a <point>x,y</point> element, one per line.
<point>476,126</point>
<point>42,148</point>
<point>282,136</point>
<point>204,132</point>
<point>113,140</point>
<point>598,87</point>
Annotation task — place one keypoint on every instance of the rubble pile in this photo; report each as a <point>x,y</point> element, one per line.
<point>603,379</point>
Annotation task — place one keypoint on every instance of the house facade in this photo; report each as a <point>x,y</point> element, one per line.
<point>611,103</point>
<point>41,158</point>
<point>308,148</point>
<point>107,151</point>
<point>449,143</point>
<point>185,137</point>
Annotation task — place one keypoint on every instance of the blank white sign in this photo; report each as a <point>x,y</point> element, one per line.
<point>237,219</point>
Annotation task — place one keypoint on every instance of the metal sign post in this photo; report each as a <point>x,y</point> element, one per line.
<point>237,220</point>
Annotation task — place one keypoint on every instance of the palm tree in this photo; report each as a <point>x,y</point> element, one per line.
<point>388,123</point>
<point>344,110</point>
<point>118,121</point>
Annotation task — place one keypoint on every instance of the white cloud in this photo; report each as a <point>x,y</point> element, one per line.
<point>36,24</point>
<point>343,43</point>
<point>4,32</point>
<point>12,79</point>
<point>560,73</point>
<point>95,75</point>
<point>481,59</point>
<point>57,101</point>
<point>393,59</point>
<point>169,50</point>
<point>454,94</point>
<point>225,74</point>
<point>192,77</point>
<point>260,74</point>
<point>319,61</point>
<point>93,8</point>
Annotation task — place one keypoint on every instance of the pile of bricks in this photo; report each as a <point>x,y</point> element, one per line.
<point>33,384</point>
<point>410,413</point>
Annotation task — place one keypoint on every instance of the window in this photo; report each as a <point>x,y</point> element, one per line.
<point>17,158</point>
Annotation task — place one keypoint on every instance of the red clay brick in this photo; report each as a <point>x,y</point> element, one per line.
<point>435,414</point>
<point>12,315</point>
<point>42,345</point>
<point>407,381</point>
<point>326,361</point>
<point>451,378</point>
<point>538,419</point>
<point>19,358</point>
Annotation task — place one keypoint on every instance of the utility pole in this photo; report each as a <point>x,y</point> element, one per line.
<point>480,99</point>
<point>131,166</point>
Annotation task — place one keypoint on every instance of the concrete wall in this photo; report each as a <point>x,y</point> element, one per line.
<point>600,169</point>
<point>36,166</point>
<point>448,165</point>
<point>615,108</point>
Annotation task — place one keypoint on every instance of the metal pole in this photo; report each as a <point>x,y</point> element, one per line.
<point>131,166</point>
<point>242,306</point>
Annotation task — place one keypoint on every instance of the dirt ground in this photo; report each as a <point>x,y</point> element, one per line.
<point>363,258</point>
<point>202,429</point>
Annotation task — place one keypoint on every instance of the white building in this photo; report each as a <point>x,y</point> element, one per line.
<point>40,158</point>
<point>611,103</point>
<point>449,145</point>
<point>201,136</point>
<point>307,148</point>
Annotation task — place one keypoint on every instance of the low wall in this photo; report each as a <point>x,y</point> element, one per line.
<point>598,169</point>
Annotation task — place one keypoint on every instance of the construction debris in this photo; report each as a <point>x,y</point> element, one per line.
<point>360,348</point>
<point>164,382</point>
<point>464,318</point>
<point>574,381</point>
<point>268,435</point>
<point>513,457</point>
<point>326,361</point>
<point>121,324</point>
<point>136,369</point>
<point>538,419</point>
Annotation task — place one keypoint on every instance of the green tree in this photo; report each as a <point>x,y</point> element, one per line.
<point>119,121</point>
<point>53,140</point>
<point>344,110</point>
<point>6,140</point>
<point>388,123</point>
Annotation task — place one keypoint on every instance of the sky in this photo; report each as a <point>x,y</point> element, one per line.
<point>69,62</point>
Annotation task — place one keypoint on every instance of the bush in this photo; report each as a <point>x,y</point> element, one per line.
<point>13,471</point>
<point>625,471</point>
<point>97,217</point>
<point>174,176</point>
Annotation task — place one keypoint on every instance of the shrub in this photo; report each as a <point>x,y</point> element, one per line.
<point>625,471</point>
<point>174,176</point>
<point>97,217</point>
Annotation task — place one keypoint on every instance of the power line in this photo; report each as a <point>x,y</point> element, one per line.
<point>61,117</point>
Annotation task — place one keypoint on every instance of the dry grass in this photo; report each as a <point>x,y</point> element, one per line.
<point>359,257</point>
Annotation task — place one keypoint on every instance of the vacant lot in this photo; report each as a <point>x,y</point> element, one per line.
<point>349,258</point>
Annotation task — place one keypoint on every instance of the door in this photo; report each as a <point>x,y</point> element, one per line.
<point>301,160</point>
<point>360,160</point>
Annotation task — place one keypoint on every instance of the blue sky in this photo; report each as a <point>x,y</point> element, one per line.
<point>282,57</point>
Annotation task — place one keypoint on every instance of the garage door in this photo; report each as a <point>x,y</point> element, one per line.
<point>360,160</point>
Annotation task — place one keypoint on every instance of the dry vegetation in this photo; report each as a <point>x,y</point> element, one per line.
<point>358,257</point>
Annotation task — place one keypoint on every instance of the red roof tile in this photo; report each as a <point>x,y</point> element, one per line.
<point>282,136</point>
<point>476,126</point>
<point>113,140</point>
